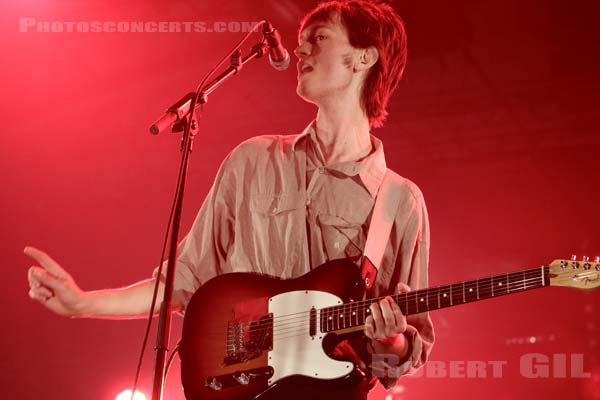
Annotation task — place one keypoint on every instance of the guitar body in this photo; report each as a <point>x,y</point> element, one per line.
<point>248,335</point>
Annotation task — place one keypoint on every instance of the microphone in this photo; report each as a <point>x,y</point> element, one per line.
<point>278,55</point>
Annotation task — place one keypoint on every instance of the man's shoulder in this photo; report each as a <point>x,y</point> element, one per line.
<point>408,189</point>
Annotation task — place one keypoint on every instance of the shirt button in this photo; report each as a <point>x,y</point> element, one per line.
<point>308,202</point>
<point>274,210</point>
<point>321,170</point>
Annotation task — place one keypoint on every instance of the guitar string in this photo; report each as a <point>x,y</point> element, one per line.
<point>302,320</point>
<point>285,320</point>
<point>410,297</point>
<point>295,332</point>
<point>290,325</point>
<point>278,336</point>
<point>298,331</point>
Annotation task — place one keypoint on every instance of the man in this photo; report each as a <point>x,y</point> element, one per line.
<point>282,205</point>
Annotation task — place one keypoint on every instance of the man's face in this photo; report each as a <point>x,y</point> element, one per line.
<point>326,58</point>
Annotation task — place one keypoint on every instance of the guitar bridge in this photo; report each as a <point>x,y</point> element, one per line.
<point>247,340</point>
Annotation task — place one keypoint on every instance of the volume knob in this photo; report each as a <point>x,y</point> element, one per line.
<point>213,383</point>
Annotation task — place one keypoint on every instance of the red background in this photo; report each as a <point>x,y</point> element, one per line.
<point>496,120</point>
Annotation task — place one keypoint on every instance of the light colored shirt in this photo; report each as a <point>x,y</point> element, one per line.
<point>275,208</point>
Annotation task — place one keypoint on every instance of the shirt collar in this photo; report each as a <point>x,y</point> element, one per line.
<point>370,169</point>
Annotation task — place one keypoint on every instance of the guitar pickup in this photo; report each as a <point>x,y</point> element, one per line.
<point>313,322</point>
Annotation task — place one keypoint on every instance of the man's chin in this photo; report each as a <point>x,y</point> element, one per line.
<point>304,93</point>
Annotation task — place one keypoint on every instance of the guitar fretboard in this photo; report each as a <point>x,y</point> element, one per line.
<point>354,314</point>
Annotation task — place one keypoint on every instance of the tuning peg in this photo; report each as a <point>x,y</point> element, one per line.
<point>573,257</point>
<point>597,259</point>
<point>586,259</point>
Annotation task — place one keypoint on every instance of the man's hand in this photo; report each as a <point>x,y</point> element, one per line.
<point>386,325</point>
<point>52,286</point>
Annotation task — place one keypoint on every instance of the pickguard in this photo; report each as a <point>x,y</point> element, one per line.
<point>295,351</point>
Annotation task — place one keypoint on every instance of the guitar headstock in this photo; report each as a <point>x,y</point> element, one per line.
<point>580,274</point>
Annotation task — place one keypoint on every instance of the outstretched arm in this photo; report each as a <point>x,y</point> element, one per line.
<point>55,288</point>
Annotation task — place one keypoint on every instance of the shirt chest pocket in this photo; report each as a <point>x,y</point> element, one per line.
<point>341,238</point>
<point>276,230</point>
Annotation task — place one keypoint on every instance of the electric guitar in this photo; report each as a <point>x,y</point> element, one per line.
<point>245,334</point>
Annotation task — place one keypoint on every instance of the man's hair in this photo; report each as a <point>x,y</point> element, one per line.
<point>370,24</point>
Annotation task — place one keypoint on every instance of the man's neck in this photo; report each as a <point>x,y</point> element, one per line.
<point>342,133</point>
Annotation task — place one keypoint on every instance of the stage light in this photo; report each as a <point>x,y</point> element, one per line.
<point>126,395</point>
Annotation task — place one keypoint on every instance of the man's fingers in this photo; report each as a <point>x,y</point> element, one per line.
<point>369,327</point>
<point>41,292</point>
<point>46,279</point>
<point>46,261</point>
<point>388,314</point>
<point>37,295</point>
<point>378,322</point>
<point>402,288</point>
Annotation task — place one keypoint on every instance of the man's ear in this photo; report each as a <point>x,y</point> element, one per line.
<point>367,58</point>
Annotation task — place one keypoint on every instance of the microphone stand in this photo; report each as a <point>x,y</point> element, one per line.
<point>189,124</point>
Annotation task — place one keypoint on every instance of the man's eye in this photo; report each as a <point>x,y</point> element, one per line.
<point>319,38</point>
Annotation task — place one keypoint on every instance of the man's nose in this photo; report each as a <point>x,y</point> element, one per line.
<point>302,50</point>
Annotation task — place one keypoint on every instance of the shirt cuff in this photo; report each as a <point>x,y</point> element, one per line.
<point>389,367</point>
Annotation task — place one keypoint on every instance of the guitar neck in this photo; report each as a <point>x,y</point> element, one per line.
<point>352,315</point>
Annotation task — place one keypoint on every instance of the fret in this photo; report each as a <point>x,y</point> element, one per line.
<point>477,288</point>
<point>499,287</point>
<point>416,302</point>
<point>331,318</point>
<point>398,299</point>
<point>534,279</point>
<point>463,292</point>
<point>515,282</point>
<point>470,289</point>
<point>445,296</point>
<point>485,285</point>
<point>422,300</point>
<point>507,284</point>
<point>457,294</point>
<point>433,299</point>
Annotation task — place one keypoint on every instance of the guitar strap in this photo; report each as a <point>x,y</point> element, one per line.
<point>384,213</point>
